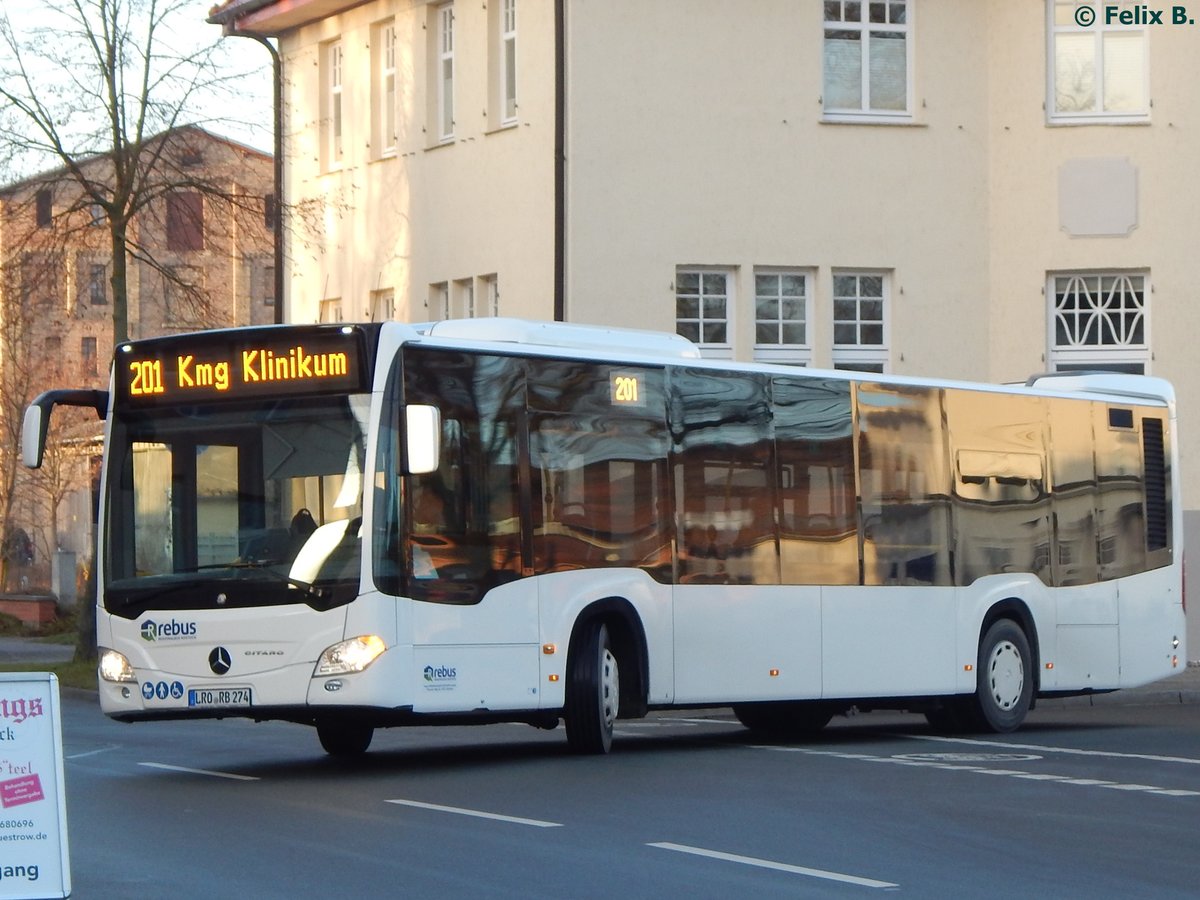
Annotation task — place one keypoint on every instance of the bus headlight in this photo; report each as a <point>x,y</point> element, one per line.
<point>349,656</point>
<point>115,667</point>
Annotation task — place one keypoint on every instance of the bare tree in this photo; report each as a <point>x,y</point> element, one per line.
<point>99,88</point>
<point>107,100</point>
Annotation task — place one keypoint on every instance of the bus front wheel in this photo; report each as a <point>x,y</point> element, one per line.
<point>341,738</point>
<point>1004,685</point>
<point>593,691</point>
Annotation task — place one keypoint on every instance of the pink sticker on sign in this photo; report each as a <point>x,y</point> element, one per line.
<point>26,789</point>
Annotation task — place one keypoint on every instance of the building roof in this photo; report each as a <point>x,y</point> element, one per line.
<point>57,173</point>
<point>273,17</point>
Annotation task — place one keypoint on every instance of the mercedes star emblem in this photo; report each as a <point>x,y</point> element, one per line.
<point>219,660</point>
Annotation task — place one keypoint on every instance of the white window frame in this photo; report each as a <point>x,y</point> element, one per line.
<point>508,63</point>
<point>1106,325</point>
<point>334,59</point>
<point>778,350</point>
<point>439,300</point>
<point>383,305</point>
<point>865,29</point>
<point>706,310</point>
<point>863,351</point>
<point>463,298</point>
<point>330,310</point>
<point>385,125</point>
<point>1061,21</point>
<point>444,72</point>
<point>490,289</point>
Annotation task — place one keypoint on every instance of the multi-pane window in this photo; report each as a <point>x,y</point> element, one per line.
<point>97,285</point>
<point>464,298</point>
<point>702,307</point>
<point>1098,66</point>
<point>385,88</point>
<point>781,316</point>
<point>87,356</point>
<point>867,57</point>
<point>859,321</point>
<point>333,103</point>
<point>1098,321</point>
<point>491,287</point>
<point>445,75</point>
<point>266,282</point>
<point>383,305</point>
<point>439,300</point>
<point>508,61</point>
<point>330,310</point>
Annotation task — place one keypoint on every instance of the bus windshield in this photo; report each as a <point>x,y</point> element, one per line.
<point>227,505</point>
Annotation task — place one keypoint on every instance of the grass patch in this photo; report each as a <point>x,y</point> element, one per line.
<point>70,674</point>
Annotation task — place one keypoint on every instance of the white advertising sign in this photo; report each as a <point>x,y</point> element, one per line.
<point>34,860</point>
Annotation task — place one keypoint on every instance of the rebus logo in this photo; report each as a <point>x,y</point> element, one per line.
<point>440,673</point>
<point>173,630</point>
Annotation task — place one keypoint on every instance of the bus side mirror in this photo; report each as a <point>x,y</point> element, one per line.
<point>422,438</point>
<point>37,418</point>
<point>33,435</point>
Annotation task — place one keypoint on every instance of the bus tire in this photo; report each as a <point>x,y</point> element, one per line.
<point>342,738</point>
<point>786,719</point>
<point>593,692</point>
<point>1004,679</point>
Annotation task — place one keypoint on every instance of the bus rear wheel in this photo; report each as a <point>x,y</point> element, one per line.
<point>342,738</point>
<point>1004,685</point>
<point>593,692</point>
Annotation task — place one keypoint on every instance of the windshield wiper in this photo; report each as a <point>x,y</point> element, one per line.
<point>307,588</point>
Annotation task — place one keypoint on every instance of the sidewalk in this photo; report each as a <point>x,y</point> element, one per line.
<point>32,650</point>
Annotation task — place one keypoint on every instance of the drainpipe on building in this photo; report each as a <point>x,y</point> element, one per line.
<point>560,161</point>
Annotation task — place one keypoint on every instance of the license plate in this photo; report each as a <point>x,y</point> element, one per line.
<point>225,696</point>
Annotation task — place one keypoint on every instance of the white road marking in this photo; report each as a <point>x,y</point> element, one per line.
<point>1074,751</point>
<point>478,814</point>
<point>776,866</point>
<point>88,753</point>
<point>235,777</point>
<point>980,770</point>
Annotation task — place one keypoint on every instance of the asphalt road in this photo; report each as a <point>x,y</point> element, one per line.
<point>1087,800</point>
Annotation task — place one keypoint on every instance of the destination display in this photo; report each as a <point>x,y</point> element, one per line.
<point>235,366</point>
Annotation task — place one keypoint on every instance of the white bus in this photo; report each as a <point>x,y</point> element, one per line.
<point>362,526</point>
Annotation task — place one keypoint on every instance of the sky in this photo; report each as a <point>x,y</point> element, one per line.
<point>242,111</point>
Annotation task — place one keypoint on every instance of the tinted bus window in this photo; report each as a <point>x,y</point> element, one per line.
<point>1001,505</point>
<point>597,457</point>
<point>1073,491</point>
<point>903,481</point>
<point>723,478</point>
<point>463,533</point>
<point>817,511</point>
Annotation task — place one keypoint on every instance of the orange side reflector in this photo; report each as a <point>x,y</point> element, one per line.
<point>549,649</point>
<point>1049,666</point>
<point>774,673</point>
<point>969,668</point>
<point>554,678</point>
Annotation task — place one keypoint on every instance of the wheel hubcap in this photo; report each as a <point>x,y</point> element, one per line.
<point>610,687</point>
<point>1006,675</point>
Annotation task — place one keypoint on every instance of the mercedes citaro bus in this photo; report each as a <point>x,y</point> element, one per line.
<point>363,526</point>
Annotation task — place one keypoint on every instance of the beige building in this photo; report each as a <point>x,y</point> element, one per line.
<point>203,259</point>
<point>977,190</point>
